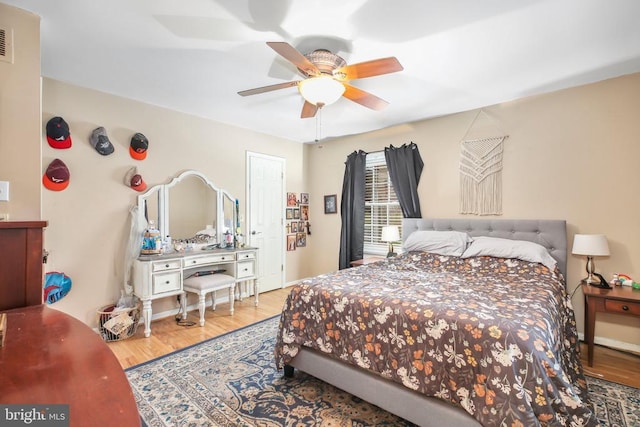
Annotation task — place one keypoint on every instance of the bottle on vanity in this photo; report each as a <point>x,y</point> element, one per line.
<point>151,241</point>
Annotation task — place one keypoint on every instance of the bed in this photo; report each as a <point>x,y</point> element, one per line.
<point>446,340</point>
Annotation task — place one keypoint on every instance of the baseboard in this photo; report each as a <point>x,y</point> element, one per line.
<point>614,344</point>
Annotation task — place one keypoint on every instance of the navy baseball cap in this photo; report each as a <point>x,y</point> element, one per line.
<point>58,134</point>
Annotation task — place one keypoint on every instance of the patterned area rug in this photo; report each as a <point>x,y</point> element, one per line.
<point>231,380</point>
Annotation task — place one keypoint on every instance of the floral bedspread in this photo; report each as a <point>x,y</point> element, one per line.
<point>495,336</point>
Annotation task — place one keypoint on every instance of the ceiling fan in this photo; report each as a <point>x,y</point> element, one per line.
<point>327,76</point>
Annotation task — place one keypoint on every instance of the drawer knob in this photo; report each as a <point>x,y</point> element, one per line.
<point>223,258</point>
<point>625,307</point>
<point>166,265</point>
<point>167,282</point>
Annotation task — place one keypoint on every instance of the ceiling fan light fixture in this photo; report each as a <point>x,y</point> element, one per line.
<point>321,90</point>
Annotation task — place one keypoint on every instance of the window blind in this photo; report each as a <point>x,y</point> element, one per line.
<point>381,204</point>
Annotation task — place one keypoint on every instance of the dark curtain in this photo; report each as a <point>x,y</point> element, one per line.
<point>405,167</point>
<point>352,209</point>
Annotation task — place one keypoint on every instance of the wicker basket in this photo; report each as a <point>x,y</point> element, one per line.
<point>117,325</point>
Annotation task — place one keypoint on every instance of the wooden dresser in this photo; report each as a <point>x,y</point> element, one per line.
<point>21,271</point>
<point>51,358</point>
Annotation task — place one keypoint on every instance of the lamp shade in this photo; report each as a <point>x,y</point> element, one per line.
<point>590,244</point>
<point>321,90</point>
<point>390,233</point>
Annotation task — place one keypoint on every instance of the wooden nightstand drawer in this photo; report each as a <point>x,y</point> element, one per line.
<point>616,306</point>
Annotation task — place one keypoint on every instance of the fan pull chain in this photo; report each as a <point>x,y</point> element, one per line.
<point>319,123</point>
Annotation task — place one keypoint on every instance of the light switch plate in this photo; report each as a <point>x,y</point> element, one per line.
<point>4,191</point>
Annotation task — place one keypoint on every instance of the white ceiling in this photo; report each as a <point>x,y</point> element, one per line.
<point>195,55</point>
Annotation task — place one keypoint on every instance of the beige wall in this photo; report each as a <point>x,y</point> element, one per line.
<point>20,116</point>
<point>573,154</point>
<point>89,221</point>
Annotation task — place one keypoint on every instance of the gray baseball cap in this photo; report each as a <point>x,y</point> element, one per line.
<point>100,141</point>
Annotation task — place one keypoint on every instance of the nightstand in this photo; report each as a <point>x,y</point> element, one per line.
<point>619,300</point>
<point>367,260</point>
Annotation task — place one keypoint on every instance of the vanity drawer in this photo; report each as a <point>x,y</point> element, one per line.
<point>166,282</point>
<point>246,255</point>
<point>624,307</point>
<point>170,264</point>
<point>245,269</point>
<point>209,259</point>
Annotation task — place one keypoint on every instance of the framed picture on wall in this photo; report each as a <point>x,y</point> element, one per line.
<point>291,242</point>
<point>304,212</point>
<point>304,198</point>
<point>330,204</point>
<point>301,240</point>
<point>292,200</point>
<point>289,213</point>
<point>296,213</point>
<point>294,227</point>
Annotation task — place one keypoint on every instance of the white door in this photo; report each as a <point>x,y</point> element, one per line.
<point>266,207</point>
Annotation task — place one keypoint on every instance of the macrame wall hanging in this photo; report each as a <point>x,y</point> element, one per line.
<point>481,167</point>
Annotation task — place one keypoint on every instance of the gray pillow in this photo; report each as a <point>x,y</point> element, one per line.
<point>507,248</point>
<point>451,243</point>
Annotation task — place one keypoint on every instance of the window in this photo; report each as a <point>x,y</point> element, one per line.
<point>381,205</point>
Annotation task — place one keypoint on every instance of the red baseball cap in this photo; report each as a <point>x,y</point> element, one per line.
<point>134,180</point>
<point>56,177</point>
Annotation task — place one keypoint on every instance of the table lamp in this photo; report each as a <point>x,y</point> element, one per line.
<point>590,245</point>
<point>390,234</point>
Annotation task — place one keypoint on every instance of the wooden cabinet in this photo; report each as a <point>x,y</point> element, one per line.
<point>21,271</point>
<point>619,300</point>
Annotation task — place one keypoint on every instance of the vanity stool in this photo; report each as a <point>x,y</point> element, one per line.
<point>202,285</point>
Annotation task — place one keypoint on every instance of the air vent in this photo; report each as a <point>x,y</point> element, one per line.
<point>6,45</point>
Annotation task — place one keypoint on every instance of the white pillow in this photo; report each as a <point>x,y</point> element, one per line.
<point>507,248</point>
<point>438,242</point>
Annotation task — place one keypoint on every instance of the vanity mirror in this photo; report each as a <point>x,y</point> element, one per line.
<point>186,205</point>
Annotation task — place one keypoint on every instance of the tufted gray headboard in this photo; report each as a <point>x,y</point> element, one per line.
<point>550,233</point>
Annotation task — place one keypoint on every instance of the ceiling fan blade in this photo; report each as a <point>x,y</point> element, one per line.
<point>364,98</point>
<point>292,55</point>
<point>308,110</point>
<point>263,89</point>
<point>371,68</point>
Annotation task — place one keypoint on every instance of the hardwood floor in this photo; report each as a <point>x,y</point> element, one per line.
<point>609,364</point>
<point>167,336</point>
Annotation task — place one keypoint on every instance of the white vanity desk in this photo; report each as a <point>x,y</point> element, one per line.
<point>180,208</point>
<point>160,276</point>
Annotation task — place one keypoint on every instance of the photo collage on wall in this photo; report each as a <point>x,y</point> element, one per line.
<point>297,215</point>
